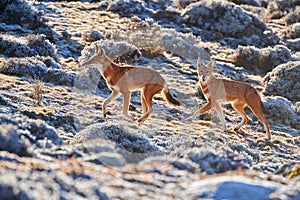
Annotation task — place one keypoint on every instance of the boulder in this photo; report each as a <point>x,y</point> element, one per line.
<point>127,8</point>
<point>293,16</point>
<point>60,77</point>
<point>224,18</point>
<point>31,45</point>
<point>116,51</point>
<point>282,111</point>
<point>40,180</point>
<point>284,81</point>
<point>37,132</point>
<point>277,9</point>
<point>91,36</point>
<point>24,67</point>
<point>41,68</point>
<point>262,60</point>
<point>218,159</point>
<point>231,187</point>
<point>293,31</point>
<point>130,142</point>
<point>20,12</point>
<point>11,140</point>
<point>107,158</point>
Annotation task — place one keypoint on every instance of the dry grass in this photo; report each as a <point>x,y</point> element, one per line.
<point>37,91</point>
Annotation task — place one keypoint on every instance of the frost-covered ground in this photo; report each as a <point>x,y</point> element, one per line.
<point>56,144</point>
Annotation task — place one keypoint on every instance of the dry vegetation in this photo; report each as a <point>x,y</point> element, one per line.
<point>55,142</point>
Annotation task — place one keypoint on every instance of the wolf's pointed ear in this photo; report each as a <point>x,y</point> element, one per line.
<point>103,52</point>
<point>210,64</point>
<point>99,50</point>
<point>199,62</point>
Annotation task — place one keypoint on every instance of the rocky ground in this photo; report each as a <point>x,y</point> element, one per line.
<point>55,143</point>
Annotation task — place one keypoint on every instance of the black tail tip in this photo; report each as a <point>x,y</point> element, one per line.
<point>172,99</point>
<point>177,103</point>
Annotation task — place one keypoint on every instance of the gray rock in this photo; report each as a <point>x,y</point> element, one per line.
<point>116,51</point>
<point>26,183</point>
<point>282,111</point>
<point>89,78</point>
<point>57,120</point>
<point>278,9</point>
<point>183,3</point>
<point>31,45</point>
<point>59,77</point>
<point>91,132</point>
<point>162,10</point>
<point>98,151</point>
<point>99,145</point>
<point>40,130</point>
<point>293,16</point>
<point>106,158</point>
<point>127,8</point>
<point>284,81</point>
<point>36,131</point>
<point>21,13</point>
<point>231,187</point>
<point>24,67</point>
<point>263,60</point>
<point>11,140</point>
<point>130,142</point>
<point>183,164</point>
<point>223,18</point>
<point>212,20</point>
<point>256,3</point>
<point>288,192</point>
<point>293,31</point>
<point>14,28</point>
<point>293,44</point>
<point>218,158</point>
<point>92,36</point>
<point>156,37</point>
<point>42,68</point>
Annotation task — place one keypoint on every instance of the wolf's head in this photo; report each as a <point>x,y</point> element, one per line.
<point>205,72</point>
<point>97,58</point>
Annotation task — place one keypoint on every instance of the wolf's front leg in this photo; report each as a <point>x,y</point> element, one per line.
<point>126,105</point>
<point>221,116</point>
<point>200,111</point>
<point>113,96</point>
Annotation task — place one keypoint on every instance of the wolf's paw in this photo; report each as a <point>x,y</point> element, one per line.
<point>131,117</point>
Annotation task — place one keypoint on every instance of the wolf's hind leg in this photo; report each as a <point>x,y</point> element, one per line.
<point>239,107</point>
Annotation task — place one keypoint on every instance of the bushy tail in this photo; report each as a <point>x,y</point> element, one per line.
<point>265,111</point>
<point>253,99</point>
<point>169,97</point>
